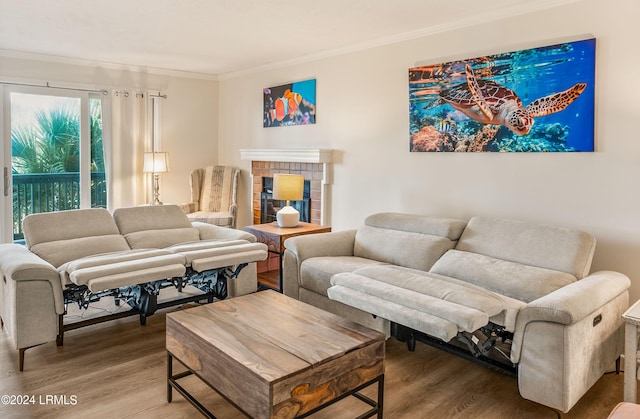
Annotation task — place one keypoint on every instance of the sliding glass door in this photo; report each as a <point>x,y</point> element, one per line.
<point>53,154</point>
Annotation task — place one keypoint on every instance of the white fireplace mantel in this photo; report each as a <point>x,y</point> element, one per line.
<point>297,155</point>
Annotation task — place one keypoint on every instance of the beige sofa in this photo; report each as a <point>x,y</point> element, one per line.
<point>81,256</point>
<point>501,289</point>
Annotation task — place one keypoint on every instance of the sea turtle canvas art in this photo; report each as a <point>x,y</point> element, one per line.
<point>539,99</point>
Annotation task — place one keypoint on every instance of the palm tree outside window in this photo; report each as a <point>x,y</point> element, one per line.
<point>47,163</point>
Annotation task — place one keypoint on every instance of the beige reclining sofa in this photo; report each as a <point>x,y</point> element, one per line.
<point>81,256</point>
<point>516,292</point>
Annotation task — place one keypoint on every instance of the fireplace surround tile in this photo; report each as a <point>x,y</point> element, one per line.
<point>312,172</point>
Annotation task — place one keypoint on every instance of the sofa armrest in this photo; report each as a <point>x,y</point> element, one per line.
<point>577,300</point>
<point>300,248</point>
<point>213,232</point>
<point>338,243</point>
<point>20,264</point>
<point>565,341</point>
<point>570,304</point>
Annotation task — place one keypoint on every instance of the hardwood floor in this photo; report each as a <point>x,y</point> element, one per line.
<point>118,370</point>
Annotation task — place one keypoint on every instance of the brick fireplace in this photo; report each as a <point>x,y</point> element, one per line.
<point>313,164</point>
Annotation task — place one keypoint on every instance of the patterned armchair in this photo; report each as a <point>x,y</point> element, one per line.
<point>214,192</point>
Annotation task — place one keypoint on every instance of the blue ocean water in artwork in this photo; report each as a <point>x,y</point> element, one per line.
<point>307,89</point>
<point>436,125</point>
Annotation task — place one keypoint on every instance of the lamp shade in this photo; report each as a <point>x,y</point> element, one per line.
<point>157,162</point>
<point>288,187</point>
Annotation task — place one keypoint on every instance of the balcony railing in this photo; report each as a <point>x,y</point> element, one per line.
<point>48,192</point>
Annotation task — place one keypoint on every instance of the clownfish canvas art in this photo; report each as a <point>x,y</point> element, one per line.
<point>290,104</point>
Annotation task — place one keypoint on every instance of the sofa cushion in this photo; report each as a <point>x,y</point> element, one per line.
<point>424,224</point>
<point>59,252</point>
<point>150,217</point>
<point>441,307</point>
<point>315,273</point>
<point>515,280</point>
<point>65,225</point>
<point>114,270</point>
<point>212,254</point>
<point>202,248</point>
<point>414,279</point>
<point>398,313</point>
<point>414,241</point>
<point>436,286</point>
<point>404,248</point>
<point>160,238</point>
<point>59,237</point>
<point>211,232</point>
<point>155,226</point>
<point>555,248</point>
<point>510,306</point>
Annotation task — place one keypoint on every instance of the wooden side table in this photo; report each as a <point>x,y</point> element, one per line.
<point>274,237</point>
<point>632,323</point>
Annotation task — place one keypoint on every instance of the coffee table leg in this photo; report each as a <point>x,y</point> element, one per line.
<point>380,396</point>
<point>169,375</point>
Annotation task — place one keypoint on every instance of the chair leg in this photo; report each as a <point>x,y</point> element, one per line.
<point>60,337</point>
<point>21,352</point>
<point>21,356</point>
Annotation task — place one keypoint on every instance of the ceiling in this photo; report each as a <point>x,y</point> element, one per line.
<point>218,37</point>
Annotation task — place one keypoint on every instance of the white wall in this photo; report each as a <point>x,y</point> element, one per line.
<point>189,126</point>
<point>362,100</point>
<point>363,114</point>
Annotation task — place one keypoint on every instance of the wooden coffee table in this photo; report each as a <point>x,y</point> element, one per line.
<point>273,356</point>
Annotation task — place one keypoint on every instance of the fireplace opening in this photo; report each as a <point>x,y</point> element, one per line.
<point>269,206</point>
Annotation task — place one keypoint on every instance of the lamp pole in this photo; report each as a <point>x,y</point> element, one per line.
<point>156,189</point>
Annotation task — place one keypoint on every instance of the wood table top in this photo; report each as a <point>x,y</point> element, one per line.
<point>301,228</point>
<point>272,335</point>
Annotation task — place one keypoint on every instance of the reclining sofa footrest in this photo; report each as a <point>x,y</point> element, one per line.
<point>422,301</point>
<point>398,313</point>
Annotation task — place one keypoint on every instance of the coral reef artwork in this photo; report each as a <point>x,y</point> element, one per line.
<point>533,100</point>
<point>290,104</point>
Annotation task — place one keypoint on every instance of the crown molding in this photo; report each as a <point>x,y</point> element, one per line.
<point>506,12</point>
<point>102,64</point>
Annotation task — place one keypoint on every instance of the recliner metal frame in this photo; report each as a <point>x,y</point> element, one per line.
<point>143,298</point>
